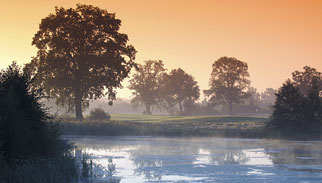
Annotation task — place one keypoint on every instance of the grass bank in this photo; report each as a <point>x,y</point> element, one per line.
<point>143,125</point>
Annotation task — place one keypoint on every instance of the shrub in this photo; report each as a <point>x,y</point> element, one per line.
<point>28,138</point>
<point>99,114</point>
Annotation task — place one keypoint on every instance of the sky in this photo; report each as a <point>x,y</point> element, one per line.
<point>275,37</point>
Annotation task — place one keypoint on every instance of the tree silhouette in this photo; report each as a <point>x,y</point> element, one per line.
<point>25,132</point>
<point>81,55</point>
<point>305,80</point>
<point>288,108</point>
<point>298,106</point>
<point>146,84</point>
<point>253,97</point>
<point>30,146</point>
<point>228,81</point>
<point>268,97</point>
<point>182,87</point>
<point>313,107</point>
<point>166,94</point>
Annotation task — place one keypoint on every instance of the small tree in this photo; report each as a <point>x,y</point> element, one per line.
<point>228,82</point>
<point>146,84</point>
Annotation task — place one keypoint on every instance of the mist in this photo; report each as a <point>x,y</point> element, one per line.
<point>160,91</point>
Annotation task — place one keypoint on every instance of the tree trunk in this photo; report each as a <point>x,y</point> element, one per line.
<point>78,105</point>
<point>148,109</point>
<point>180,107</point>
<point>230,108</point>
<point>230,99</point>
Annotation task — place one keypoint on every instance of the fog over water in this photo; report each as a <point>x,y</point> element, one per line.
<point>155,159</point>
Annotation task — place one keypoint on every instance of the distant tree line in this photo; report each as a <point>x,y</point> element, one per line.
<point>82,56</point>
<point>177,92</point>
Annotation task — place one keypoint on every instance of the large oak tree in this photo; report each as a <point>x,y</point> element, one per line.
<point>81,55</point>
<point>228,82</point>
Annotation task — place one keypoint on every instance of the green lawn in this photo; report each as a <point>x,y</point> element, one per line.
<point>176,119</point>
<point>156,125</point>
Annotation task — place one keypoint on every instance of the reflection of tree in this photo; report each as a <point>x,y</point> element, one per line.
<point>231,152</point>
<point>156,157</point>
<point>149,159</point>
<point>96,171</point>
<point>228,156</point>
<point>295,153</point>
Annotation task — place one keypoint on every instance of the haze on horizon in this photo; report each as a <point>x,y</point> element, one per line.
<point>274,37</point>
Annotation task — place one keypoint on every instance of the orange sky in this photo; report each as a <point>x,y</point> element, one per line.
<point>275,37</point>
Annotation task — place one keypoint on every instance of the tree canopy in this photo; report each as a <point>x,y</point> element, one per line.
<point>180,87</point>
<point>168,100</point>
<point>305,80</point>
<point>288,108</point>
<point>298,105</point>
<point>146,84</point>
<point>81,55</point>
<point>228,82</point>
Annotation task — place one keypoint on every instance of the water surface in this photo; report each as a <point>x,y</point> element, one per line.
<point>152,159</point>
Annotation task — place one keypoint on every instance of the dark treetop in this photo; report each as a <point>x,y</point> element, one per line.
<point>81,55</point>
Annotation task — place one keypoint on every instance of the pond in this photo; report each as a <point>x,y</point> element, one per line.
<point>155,159</point>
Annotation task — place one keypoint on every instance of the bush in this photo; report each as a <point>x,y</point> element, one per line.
<point>27,136</point>
<point>99,114</point>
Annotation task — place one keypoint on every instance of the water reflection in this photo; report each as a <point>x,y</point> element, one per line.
<point>297,156</point>
<point>150,160</point>
<point>96,172</point>
<point>142,159</point>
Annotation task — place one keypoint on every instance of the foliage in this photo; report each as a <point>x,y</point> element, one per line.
<point>288,108</point>
<point>145,84</point>
<point>27,137</point>
<point>253,99</point>
<point>190,108</point>
<point>99,114</point>
<point>167,96</point>
<point>305,80</point>
<point>24,127</point>
<point>180,87</point>
<point>253,96</point>
<point>81,55</point>
<point>268,97</point>
<point>228,81</point>
<point>295,113</point>
<point>59,169</point>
